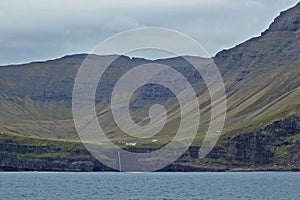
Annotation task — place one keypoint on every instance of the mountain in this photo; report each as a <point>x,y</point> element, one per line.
<point>264,71</point>
<point>262,130</point>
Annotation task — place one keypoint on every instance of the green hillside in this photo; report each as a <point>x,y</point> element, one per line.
<point>262,81</point>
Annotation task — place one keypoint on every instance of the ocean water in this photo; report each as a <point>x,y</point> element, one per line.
<point>164,185</point>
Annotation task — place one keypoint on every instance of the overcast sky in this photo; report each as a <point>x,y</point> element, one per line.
<point>45,29</point>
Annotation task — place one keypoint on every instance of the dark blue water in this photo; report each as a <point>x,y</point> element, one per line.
<point>225,185</point>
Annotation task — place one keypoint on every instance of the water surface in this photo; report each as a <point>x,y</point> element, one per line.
<point>165,185</point>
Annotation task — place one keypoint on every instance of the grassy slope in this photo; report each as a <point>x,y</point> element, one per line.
<point>254,103</point>
<point>51,148</point>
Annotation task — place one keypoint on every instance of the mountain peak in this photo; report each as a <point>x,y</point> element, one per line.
<point>277,46</point>
<point>288,20</point>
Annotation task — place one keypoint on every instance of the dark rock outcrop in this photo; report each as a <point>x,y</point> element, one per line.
<point>258,150</point>
<point>272,146</point>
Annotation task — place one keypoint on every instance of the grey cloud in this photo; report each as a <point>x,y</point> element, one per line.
<point>43,29</point>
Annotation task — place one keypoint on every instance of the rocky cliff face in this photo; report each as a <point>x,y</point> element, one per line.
<point>275,147</point>
<point>287,21</point>
<point>277,46</point>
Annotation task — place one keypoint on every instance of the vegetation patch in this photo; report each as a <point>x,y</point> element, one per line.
<point>281,150</point>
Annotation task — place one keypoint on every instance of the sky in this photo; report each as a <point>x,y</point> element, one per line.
<point>46,29</point>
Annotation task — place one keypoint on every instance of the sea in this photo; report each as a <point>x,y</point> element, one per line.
<point>151,185</point>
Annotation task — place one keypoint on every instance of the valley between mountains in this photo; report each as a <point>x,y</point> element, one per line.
<point>262,129</point>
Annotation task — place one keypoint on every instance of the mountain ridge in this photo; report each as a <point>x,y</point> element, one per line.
<point>262,81</point>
